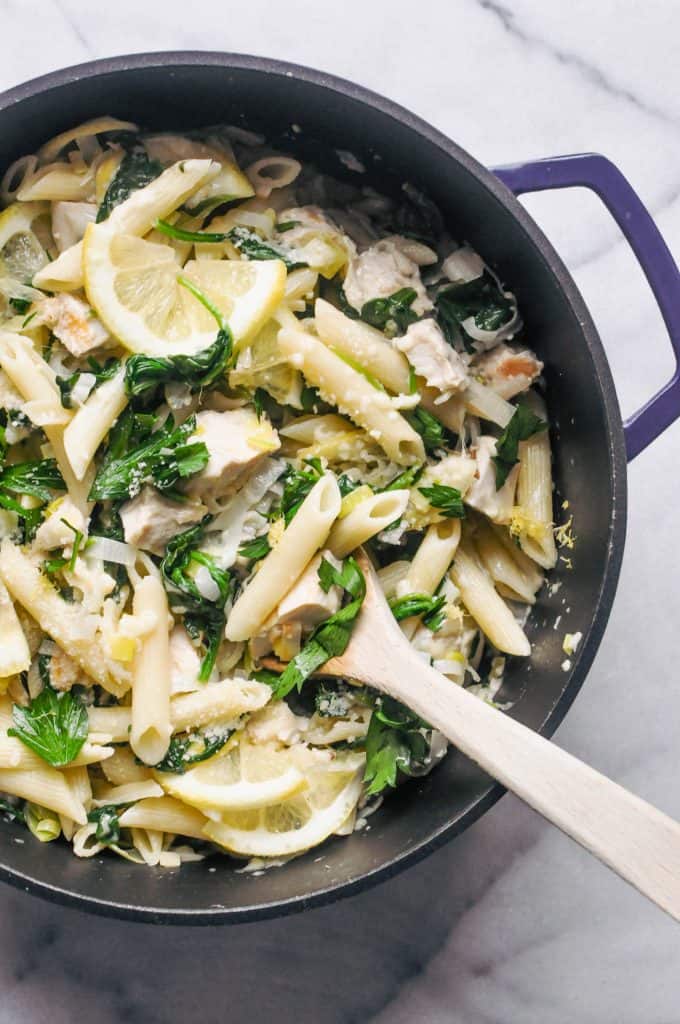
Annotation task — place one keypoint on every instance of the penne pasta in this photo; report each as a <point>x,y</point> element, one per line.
<point>165,814</point>
<point>45,786</point>
<point>150,729</point>
<point>281,568</point>
<point>364,345</point>
<point>486,607</point>
<point>92,422</point>
<point>370,517</point>
<point>534,493</point>
<point>15,655</point>
<point>430,564</point>
<point>346,388</point>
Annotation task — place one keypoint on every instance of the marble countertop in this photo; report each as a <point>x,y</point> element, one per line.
<point>512,923</point>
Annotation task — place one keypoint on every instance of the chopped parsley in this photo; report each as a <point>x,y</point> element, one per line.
<point>447,500</point>
<point>523,425</point>
<point>53,725</point>
<point>395,742</point>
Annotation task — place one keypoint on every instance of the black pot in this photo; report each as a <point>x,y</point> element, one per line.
<point>181,90</point>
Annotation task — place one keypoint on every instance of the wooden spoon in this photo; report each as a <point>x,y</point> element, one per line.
<point>633,838</point>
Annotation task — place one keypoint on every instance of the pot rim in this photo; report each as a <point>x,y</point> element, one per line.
<point>617,460</point>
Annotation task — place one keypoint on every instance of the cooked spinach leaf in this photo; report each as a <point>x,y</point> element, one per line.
<point>190,749</point>
<point>135,171</point>
<point>392,314</point>
<point>252,246</point>
<point>100,372</point>
<point>481,299</point>
<point>255,549</point>
<point>108,823</point>
<point>143,374</point>
<point>38,478</point>
<point>418,604</point>
<point>432,430</point>
<point>523,425</point>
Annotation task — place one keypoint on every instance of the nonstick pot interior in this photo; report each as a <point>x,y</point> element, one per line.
<point>193,89</point>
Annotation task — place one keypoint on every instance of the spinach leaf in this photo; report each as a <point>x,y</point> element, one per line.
<point>331,637</point>
<point>53,725</point>
<point>135,171</point>
<point>108,823</point>
<point>394,743</point>
<point>481,299</point>
<point>161,457</point>
<point>432,430</point>
<point>255,549</point>
<point>404,480</point>
<point>297,483</point>
<point>203,618</point>
<point>101,373</point>
<point>448,500</point>
<point>190,749</point>
<point>143,373</point>
<point>38,478</point>
<point>20,305</point>
<point>12,812</point>
<point>252,246</point>
<point>418,604</point>
<point>523,425</point>
<point>393,314</point>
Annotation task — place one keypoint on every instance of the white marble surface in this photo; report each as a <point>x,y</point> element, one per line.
<point>511,924</point>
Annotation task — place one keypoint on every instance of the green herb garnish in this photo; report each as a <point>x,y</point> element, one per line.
<point>523,425</point>
<point>419,604</point>
<point>392,314</point>
<point>429,427</point>
<point>185,751</point>
<point>330,638</point>
<point>135,171</point>
<point>481,299</point>
<point>108,824</point>
<point>255,549</point>
<point>394,743</point>
<point>447,500</point>
<point>53,725</point>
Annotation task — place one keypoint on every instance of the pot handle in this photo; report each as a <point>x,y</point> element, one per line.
<point>596,172</point>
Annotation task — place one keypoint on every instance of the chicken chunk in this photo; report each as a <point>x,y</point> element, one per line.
<point>433,359</point>
<point>386,267</point>
<point>237,442</point>
<point>150,520</point>
<point>483,496</point>
<point>508,369</point>
<point>73,322</point>
<point>185,662</point>
<point>306,602</point>
<point>54,531</point>
<point>463,265</point>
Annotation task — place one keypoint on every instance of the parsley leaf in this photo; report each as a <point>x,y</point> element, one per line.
<point>394,743</point>
<point>404,480</point>
<point>523,425</point>
<point>297,483</point>
<point>448,500</point>
<point>53,725</point>
<point>135,171</point>
<point>393,314</point>
<point>161,457</point>
<point>36,478</point>
<point>331,637</point>
<point>20,305</point>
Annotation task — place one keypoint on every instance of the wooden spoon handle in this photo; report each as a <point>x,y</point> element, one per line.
<point>633,838</point>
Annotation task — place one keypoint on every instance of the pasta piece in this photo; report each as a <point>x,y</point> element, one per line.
<point>14,754</point>
<point>148,844</point>
<point>483,401</point>
<point>489,611</point>
<point>534,492</point>
<point>498,560</point>
<point>92,422</point>
<point>223,701</point>
<point>45,786</point>
<point>150,731</point>
<point>430,564</point>
<point>272,172</point>
<point>78,780</point>
<point>127,793</point>
<point>63,181</point>
<point>165,814</point>
<point>32,376</point>
<point>51,149</point>
<point>283,565</point>
<point>74,630</point>
<point>123,767</point>
<point>15,655</point>
<point>363,344</point>
<point>366,520</point>
<point>342,386</point>
<point>135,216</point>
<point>312,430</point>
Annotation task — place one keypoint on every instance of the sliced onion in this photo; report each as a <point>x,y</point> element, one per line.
<point>110,550</point>
<point>82,388</point>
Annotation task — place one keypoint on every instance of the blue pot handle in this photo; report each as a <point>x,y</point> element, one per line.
<point>590,170</point>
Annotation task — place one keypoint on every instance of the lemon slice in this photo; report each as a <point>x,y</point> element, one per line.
<point>21,252</point>
<point>132,284</point>
<point>300,822</point>
<point>246,776</point>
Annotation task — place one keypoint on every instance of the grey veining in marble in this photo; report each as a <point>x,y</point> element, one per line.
<point>511,924</point>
